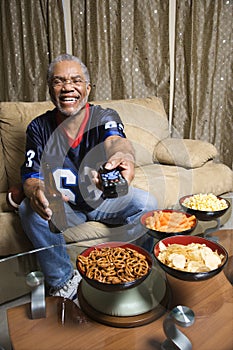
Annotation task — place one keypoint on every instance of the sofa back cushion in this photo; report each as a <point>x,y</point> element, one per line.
<point>145,125</point>
<point>14,118</point>
<point>3,177</point>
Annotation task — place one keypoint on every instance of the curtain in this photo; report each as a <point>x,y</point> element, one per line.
<point>203,75</point>
<point>32,33</point>
<point>125,45</point>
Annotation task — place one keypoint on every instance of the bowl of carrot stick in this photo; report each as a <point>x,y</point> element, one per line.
<point>168,222</point>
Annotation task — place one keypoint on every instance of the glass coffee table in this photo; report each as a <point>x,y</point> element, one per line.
<point>25,276</point>
<point>14,269</point>
<point>65,326</point>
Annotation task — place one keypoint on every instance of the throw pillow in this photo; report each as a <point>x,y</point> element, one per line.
<point>184,152</point>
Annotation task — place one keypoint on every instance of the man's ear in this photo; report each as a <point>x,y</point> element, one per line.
<point>88,89</point>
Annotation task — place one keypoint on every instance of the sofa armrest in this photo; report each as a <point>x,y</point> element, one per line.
<point>184,152</point>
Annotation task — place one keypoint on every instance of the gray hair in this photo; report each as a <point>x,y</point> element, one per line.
<point>67,57</point>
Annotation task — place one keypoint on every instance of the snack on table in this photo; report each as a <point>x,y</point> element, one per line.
<point>194,257</point>
<point>170,221</point>
<point>114,265</point>
<point>205,202</point>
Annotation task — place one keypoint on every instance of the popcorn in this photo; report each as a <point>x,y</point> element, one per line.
<point>205,202</point>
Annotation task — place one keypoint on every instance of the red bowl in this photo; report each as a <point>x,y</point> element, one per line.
<point>185,240</point>
<point>108,287</point>
<point>202,214</point>
<point>161,234</point>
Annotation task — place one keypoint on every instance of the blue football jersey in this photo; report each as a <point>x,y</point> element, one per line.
<point>71,160</point>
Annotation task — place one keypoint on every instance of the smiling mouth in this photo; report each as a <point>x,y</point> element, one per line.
<point>69,99</point>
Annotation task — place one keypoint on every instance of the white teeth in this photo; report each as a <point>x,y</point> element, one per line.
<point>69,99</point>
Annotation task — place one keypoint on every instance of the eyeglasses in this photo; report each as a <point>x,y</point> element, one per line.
<point>75,81</point>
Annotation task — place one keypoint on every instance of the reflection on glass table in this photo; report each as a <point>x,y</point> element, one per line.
<point>64,325</point>
<point>14,269</point>
<point>20,275</point>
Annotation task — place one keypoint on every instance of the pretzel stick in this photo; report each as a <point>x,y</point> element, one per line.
<point>114,265</point>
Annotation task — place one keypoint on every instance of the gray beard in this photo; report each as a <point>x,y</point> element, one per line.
<point>80,107</point>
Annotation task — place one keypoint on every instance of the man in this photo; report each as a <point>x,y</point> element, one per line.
<point>75,139</point>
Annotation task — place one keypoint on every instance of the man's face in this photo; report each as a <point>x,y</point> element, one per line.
<point>69,90</point>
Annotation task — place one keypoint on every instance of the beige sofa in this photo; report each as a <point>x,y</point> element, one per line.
<point>167,167</point>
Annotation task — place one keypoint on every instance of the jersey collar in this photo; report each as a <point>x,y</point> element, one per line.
<point>75,142</point>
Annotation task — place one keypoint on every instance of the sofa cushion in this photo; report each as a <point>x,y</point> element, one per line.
<point>13,239</point>
<point>3,177</point>
<point>153,103</point>
<point>14,118</point>
<point>4,206</point>
<point>184,152</point>
<point>214,178</point>
<point>92,232</point>
<point>145,123</point>
<point>168,183</point>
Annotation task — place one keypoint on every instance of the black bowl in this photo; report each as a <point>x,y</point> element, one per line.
<point>160,234</point>
<point>201,214</point>
<point>185,240</point>
<point>109,287</point>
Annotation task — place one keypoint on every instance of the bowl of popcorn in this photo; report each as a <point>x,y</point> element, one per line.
<point>205,206</point>
<point>168,222</point>
<point>114,266</point>
<point>190,258</point>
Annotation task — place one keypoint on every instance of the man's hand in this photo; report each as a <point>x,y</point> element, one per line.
<point>34,189</point>
<point>126,167</point>
<point>120,153</point>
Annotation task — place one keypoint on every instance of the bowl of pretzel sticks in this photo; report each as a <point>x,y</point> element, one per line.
<point>168,222</point>
<point>114,266</point>
<point>190,258</point>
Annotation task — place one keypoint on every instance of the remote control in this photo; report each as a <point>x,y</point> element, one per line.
<point>113,183</point>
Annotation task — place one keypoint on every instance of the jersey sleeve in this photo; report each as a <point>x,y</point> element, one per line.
<point>113,124</point>
<point>33,153</point>
<point>38,133</point>
<point>110,123</point>
<point>113,127</point>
